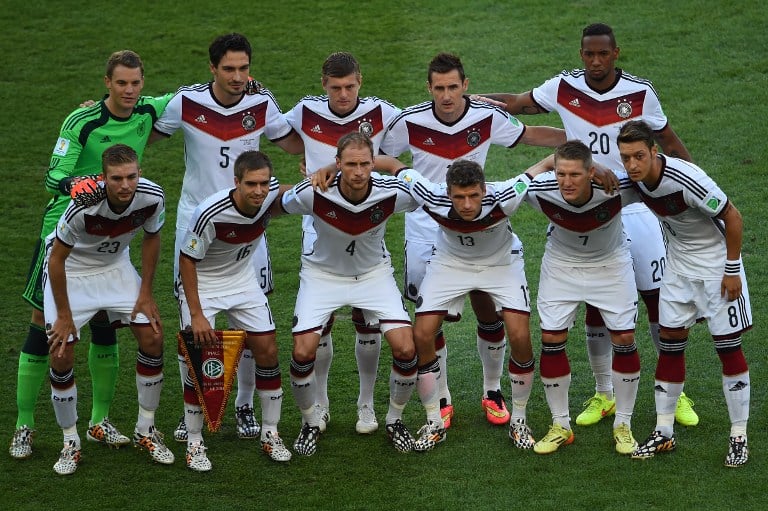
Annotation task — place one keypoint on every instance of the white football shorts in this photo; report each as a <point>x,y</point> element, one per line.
<point>609,288</point>
<point>247,311</point>
<point>114,291</point>
<point>683,300</point>
<point>376,293</point>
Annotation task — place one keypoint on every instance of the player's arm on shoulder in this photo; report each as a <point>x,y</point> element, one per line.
<point>291,144</point>
<point>515,104</point>
<point>671,144</point>
<point>545,136</point>
<point>156,136</point>
<point>606,178</point>
<point>388,164</point>
<point>322,178</point>
<point>541,166</point>
<point>276,208</point>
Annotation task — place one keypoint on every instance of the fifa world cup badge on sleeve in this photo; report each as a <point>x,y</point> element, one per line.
<point>212,369</point>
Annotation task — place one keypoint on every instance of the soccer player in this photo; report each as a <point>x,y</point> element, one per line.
<point>221,119</point>
<point>473,226</point>
<point>123,116</point>
<point>89,270</point>
<point>321,121</point>
<point>586,259</point>
<point>593,103</point>
<point>349,265</point>
<point>704,279</point>
<point>437,132</point>
<point>217,275</point>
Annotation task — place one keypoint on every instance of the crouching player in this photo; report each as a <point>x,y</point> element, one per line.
<point>88,270</point>
<point>217,275</point>
<point>472,217</point>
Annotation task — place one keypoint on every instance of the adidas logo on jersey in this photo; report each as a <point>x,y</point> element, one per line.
<point>106,140</point>
<point>231,234</point>
<point>200,119</point>
<point>316,129</point>
<point>331,214</point>
<point>428,141</point>
<point>575,102</point>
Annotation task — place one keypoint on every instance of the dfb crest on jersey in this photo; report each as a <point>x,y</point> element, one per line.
<point>140,129</point>
<point>672,206</point>
<point>473,138</point>
<point>138,220</point>
<point>249,122</point>
<point>624,109</point>
<point>602,215</point>
<point>366,128</point>
<point>377,215</point>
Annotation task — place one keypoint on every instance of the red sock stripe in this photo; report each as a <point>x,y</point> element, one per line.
<point>671,367</point>
<point>626,362</point>
<point>491,335</point>
<point>554,364</point>
<point>733,362</point>
<point>516,368</point>
<point>190,396</point>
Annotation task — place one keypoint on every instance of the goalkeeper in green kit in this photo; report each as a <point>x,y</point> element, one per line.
<point>123,116</point>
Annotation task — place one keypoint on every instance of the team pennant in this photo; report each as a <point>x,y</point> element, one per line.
<point>212,369</point>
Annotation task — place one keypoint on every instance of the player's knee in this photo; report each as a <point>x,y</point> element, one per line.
<point>65,361</point>
<point>305,347</point>
<point>623,339</point>
<point>264,350</point>
<point>150,342</point>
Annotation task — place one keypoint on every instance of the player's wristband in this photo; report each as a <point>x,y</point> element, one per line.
<point>65,185</point>
<point>732,267</point>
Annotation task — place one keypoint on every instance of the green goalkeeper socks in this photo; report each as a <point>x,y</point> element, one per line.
<point>32,372</point>
<point>104,362</point>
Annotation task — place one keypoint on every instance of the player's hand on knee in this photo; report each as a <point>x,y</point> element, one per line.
<point>58,335</point>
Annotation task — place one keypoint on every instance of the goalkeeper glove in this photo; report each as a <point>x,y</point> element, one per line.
<point>87,190</point>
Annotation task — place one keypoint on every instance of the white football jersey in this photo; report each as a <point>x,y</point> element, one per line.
<point>686,201</point>
<point>222,240</point>
<point>595,117</point>
<point>587,235</point>
<point>488,240</point>
<point>350,237</point>
<point>434,145</point>
<point>100,238</point>
<point>215,135</point>
<point>320,128</point>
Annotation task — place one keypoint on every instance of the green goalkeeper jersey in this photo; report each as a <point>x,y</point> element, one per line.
<point>84,136</point>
